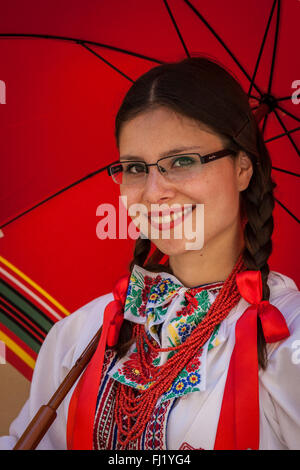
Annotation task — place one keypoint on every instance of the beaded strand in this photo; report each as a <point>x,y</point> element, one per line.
<point>133,408</point>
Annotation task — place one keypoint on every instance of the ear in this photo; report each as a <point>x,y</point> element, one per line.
<point>244,170</point>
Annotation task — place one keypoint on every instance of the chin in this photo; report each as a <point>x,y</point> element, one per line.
<point>171,247</point>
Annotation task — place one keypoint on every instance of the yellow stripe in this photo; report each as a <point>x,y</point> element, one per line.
<point>17,350</point>
<point>35,285</point>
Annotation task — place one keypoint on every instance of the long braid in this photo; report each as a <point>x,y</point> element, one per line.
<point>257,204</point>
<point>141,251</point>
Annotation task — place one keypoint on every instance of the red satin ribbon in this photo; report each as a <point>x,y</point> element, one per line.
<point>238,427</point>
<point>82,408</point>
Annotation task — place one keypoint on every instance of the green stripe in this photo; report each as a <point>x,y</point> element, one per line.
<point>18,330</point>
<point>24,306</point>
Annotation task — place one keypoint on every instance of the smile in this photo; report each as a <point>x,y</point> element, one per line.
<point>171,220</point>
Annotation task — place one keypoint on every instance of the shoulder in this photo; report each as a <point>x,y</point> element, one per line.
<point>278,281</point>
<point>70,336</point>
<point>285,295</point>
<point>89,314</point>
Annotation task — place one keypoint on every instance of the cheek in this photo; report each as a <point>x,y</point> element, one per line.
<point>220,198</point>
<point>131,196</point>
<point>221,205</point>
<point>195,190</point>
<point>200,190</point>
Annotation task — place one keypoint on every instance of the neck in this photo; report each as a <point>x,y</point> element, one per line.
<point>213,263</point>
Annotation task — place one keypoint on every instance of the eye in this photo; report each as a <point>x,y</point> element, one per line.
<point>133,168</point>
<point>184,161</point>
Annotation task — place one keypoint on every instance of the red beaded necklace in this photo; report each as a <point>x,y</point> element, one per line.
<point>133,408</point>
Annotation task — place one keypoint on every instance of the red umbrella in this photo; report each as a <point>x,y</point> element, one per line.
<point>65,69</point>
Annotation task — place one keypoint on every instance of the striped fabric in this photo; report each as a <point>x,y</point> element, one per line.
<point>27,312</point>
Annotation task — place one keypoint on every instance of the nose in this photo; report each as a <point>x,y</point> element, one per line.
<point>157,188</point>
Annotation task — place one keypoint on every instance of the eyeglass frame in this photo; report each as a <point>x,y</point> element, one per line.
<point>203,159</point>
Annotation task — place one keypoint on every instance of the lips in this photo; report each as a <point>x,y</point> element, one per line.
<point>166,212</point>
<point>168,219</point>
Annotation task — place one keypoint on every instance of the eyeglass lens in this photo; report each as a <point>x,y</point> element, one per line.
<point>173,168</point>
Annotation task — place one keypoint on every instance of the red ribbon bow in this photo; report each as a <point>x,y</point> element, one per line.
<point>238,426</point>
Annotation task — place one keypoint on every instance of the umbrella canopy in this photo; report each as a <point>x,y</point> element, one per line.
<point>65,68</point>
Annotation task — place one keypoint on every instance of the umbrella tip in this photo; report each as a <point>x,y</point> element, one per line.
<point>1,234</point>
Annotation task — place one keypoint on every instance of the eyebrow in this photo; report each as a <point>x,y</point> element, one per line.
<point>164,154</point>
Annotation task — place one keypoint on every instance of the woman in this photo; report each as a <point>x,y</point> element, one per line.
<point>205,357</point>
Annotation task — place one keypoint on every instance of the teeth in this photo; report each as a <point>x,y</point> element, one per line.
<point>174,216</point>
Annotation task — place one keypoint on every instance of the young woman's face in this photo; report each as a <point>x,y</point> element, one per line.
<point>217,187</point>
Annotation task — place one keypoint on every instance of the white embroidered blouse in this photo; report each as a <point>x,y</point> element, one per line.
<point>198,390</point>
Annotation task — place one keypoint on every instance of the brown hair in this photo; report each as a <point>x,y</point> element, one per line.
<point>201,89</point>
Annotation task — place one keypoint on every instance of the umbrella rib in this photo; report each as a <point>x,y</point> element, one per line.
<point>275,46</point>
<point>176,27</point>
<point>287,112</point>
<point>223,44</point>
<point>288,211</point>
<point>105,61</point>
<point>285,129</point>
<point>84,42</point>
<point>262,47</point>
<point>78,40</point>
<point>284,98</point>
<point>285,171</point>
<point>54,195</point>
<point>282,135</point>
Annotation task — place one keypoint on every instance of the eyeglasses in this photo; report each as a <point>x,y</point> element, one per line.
<point>173,168</point>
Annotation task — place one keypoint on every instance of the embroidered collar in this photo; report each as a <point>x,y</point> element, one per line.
<point>148,291</point>
<point>159,301</point>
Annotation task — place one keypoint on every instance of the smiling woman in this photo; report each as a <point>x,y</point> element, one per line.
<point>216,184</point>
<point>184,360</point>
<point>196,104</point>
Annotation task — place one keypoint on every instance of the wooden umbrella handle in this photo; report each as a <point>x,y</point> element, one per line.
<point>43,419</point>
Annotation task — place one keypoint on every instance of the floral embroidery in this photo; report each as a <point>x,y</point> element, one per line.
<point>179,386</point>
<point>170,313</point>
<point>131,371</point>
<point>187,381</point>
<point>194,378</point>
<point>193,365</point>
<point>144,291</point>
<point>184,330</point>
<point>186,320</point>
<point>203,300</point>
<point>156,314</point>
